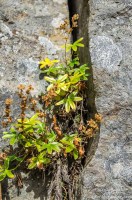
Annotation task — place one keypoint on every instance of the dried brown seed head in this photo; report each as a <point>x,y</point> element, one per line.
<point>21,87</point>
<point>9,119</point>
<point>8,101</point>
<point>3,156</point>
<point>98,117</point>
<point>90,132</point>
<point>41,114</point>
<point>92,124</point>
<point>4,124</point>
<point>81,151</point>
<point>76,141</point>
<point>40,165</point>
<point>33,101</point>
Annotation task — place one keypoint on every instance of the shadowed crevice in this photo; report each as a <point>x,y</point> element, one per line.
<point>81,7</point>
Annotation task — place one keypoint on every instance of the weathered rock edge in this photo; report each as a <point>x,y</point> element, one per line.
<point>108,174</point>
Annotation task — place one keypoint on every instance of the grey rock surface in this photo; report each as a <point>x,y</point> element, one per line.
<point>108,175</point>
<point>28,33</point>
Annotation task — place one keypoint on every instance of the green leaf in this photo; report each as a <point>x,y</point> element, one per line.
<point>75,78</point>
<point>80,45</point>
<point>41,147</point>
<point>62,93</point>
<point>6,163</point>
<point>62,78</point>
<point>65,87</point>
<point>40,126</point>
<point>8,136</point>
<point>33,163</point>
<point>68,140</point>
<point>28,144</point>
<point>12,130</point>
<point>49,149</point>
<point>58,91</point>
<point>2,176</point>
<point>67,46</point>
<point>73,62</point>
<point>69,149</point>
<point>75,154</point>
<point>13,140</point>
<point>78,98</point>
<point>41,155</point>
<point>45,160</point>
<point>72,104</point>
<point>5,132</point>
<point>67,107</point>
<point>56,148</point>
<point>9,174</point>
<point>33,118</point>
<point>13,157</point>
<point>51,136</point>
<point>49,87</point>
<point>64,141</point>
<point>60,102</point>
<point>74,47</point>
<point>50,79</point>
<point>78,41</point>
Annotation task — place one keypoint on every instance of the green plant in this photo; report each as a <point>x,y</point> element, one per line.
<point>57,132</point>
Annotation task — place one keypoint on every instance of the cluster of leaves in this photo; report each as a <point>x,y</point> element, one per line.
<point>65,85</point>
<point>37,141</point>
<point>41,145</point>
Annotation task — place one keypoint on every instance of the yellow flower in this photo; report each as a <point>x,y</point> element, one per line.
<point>47,62</point>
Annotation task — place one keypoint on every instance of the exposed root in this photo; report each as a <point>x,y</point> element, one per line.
<point>58,181</point>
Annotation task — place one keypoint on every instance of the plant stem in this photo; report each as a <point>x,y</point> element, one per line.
<point>65,53</point>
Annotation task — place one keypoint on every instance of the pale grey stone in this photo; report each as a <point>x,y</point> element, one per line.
<point>105,54</point>
<point>51,49</point>
<point>56,22</point>
<point>5,29</point>
<point>108,175</point>
<point>59,1</point>
<point>41,11</point>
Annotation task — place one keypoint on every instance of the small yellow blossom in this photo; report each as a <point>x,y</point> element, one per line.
<point>47,62</point>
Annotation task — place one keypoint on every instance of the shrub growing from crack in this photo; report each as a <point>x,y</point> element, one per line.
<point>54,139</point>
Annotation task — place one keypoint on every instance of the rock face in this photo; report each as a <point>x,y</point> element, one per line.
<point>108,175</point>
<point>28,33</point>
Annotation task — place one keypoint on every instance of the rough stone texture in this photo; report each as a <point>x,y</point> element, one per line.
<point>108,175</point>
<point>28,33</point>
